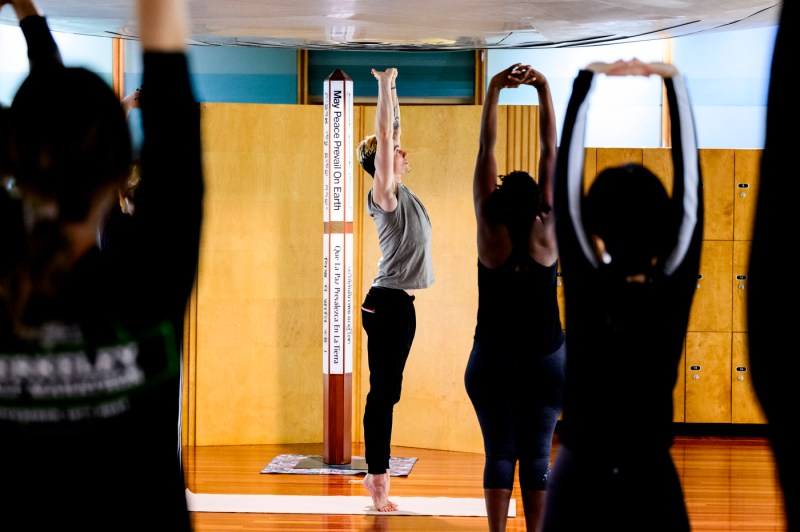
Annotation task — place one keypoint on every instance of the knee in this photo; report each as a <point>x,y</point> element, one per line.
<point>499,473</point>
<point>383,396</point>
<point>534,474</point>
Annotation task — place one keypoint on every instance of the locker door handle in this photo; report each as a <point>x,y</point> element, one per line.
<point>743,188</point>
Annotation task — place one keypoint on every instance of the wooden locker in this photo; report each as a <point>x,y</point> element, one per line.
<point>608,157</point>
<point>560,294</point>
<point>745,407</point>
<point>679,392</point>
<point>717,168</point>
<point>708,377</point>
<point>741,261</point>
<point>659,161</point>
<point>712,304</point>
<point>747,171</point>
<point>589,167</point>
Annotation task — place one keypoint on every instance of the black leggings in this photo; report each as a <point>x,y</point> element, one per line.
<point>390,321</point>
<point>517,398</point>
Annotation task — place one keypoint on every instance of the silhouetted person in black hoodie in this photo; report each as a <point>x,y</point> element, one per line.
<point>773,293</point>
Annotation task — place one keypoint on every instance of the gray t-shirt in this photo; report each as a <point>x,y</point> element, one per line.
<point>404,236</point>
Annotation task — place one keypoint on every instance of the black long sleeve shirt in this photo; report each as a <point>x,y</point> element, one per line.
<point>624,340</point>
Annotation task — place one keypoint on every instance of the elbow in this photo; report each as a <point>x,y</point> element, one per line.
<point>548,149</point>
<point>384,135</point>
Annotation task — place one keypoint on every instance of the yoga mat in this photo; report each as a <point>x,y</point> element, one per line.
<point>322,504</point>
<point>301,464</point>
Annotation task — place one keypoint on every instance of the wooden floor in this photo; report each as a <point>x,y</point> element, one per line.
<point>729,483</point>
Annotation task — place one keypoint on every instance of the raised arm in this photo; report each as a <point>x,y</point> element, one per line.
<point>634,67</point>
<point>494,240</point>
<point>687,186</point>
<point>23,8</point>
<point>544,243</point>
<point>387,115</point>
<point>131,101</point>
<point>484,180</point>
<point>42,48</point>
<point>169,200</point>
<point>574,245</point>
<point>687,190</point>
<point>162,25</point>
<point>547,138</point>
<point>572,238</point>
<point>42,53</point>
<point>396,107</point>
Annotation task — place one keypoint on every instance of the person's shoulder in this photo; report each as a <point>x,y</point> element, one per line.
<point>372,207</point>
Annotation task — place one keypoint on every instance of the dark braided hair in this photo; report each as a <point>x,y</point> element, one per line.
<point>516,203</point>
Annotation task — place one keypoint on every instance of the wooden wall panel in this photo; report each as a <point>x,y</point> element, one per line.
<point>259,330</point>
<point>365,257</point>
<point>522,142</point>
<point>188,372</point>
<point>657,160</point>
<point>607,157</point>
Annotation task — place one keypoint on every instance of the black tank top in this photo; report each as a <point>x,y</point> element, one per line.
<point>518,307</point>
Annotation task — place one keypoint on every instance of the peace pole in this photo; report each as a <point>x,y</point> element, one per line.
<point>337,268</point>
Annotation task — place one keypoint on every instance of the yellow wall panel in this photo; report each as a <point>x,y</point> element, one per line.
<point>258,371</point>
<point>522,143</point>
<point>607,157</point>
<point>188,372</point>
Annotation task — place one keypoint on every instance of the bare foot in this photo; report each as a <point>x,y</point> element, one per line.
<point>378,488</point>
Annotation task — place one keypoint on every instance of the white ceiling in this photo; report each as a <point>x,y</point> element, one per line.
<point>421,24</point>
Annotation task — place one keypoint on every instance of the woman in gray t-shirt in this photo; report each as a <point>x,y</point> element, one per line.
<point>387,314</point>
